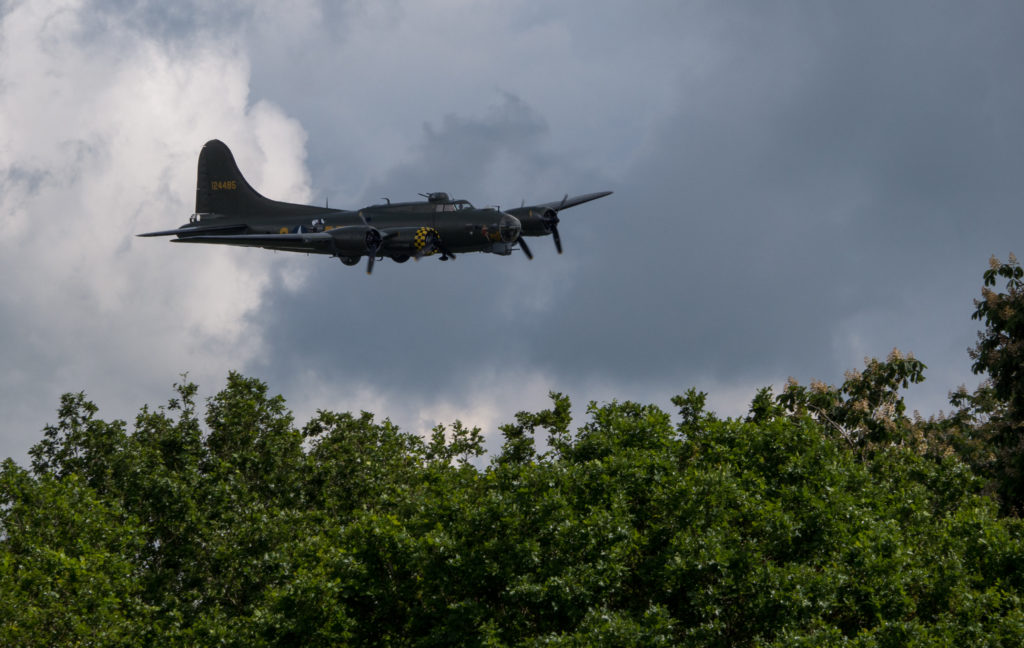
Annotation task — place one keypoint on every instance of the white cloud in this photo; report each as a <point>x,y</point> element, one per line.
<point>98,142</point>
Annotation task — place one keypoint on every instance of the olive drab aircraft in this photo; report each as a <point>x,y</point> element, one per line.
<point>230,212</point>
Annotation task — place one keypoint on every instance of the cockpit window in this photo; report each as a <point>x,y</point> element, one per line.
<point>458,205</point>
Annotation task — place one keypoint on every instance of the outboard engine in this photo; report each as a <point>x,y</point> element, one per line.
<point>538,222</point>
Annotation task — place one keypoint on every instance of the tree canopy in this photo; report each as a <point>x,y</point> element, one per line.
<point>824,517</point>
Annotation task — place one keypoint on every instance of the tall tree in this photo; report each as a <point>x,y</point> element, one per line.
<point>999,354</point>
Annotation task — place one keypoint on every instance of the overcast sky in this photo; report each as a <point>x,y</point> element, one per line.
<point>798,185</point>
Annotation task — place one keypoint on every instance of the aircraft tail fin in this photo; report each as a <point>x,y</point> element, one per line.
<point>221,188</point>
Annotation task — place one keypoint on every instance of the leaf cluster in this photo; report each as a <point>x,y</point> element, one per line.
<point>867,410</point>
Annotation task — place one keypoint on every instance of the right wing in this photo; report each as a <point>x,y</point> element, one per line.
<point>313,242</point>
<point>197,231</point>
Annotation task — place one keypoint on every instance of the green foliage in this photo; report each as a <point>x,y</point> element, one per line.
<point>1000,348</point>
<point>692,408</point>
<point>519,441</point>
<point>236,528</point>
<point>867,410</point>
<point>764,407</point>
<point>68,570</point>
<point>999,353</point>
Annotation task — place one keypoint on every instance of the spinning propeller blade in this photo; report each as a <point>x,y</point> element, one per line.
<point>525,248</point>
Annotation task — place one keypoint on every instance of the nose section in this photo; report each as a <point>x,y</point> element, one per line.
<point>509,227</point>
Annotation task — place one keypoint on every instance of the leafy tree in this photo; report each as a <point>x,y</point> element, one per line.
<point>692,409</point>
<point>999,353</point>
<point>867,410</point>
<point>1000,348</point>
<point>68,564</point>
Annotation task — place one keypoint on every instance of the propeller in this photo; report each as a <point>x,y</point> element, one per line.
<point>554,234</point>
<point>374,241</point>
<point>551,223</point>
<point>526,248</point>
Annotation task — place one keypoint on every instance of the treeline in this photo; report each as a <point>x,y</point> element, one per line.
<point>826,516</point>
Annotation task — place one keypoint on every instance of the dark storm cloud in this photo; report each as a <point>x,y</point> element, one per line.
<point>462,151</point>
<point>840,162</point>
<point>831,186</point>
<point>789,199</point>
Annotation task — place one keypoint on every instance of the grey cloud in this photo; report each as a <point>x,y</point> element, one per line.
<point>835,166</point>
<point>167,21</point>
<point>875,175</point>
<point>26,178</point>
<point>462,151</point>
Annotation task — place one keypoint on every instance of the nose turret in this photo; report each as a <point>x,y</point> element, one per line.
<point>509,228</point>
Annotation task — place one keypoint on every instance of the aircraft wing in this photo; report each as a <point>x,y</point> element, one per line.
<point>196,231</point>
<point>568,202</point>
<point>305,242</point>
<point>541,220</point>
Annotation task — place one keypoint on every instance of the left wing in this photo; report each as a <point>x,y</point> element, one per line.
<point>567,202</point>
<point>542,219</point>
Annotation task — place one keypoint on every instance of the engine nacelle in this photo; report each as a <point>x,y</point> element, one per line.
<point>354,241</point>
<point>537,222</point>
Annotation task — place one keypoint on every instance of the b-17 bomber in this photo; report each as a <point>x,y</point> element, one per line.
<point>230,212</point>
